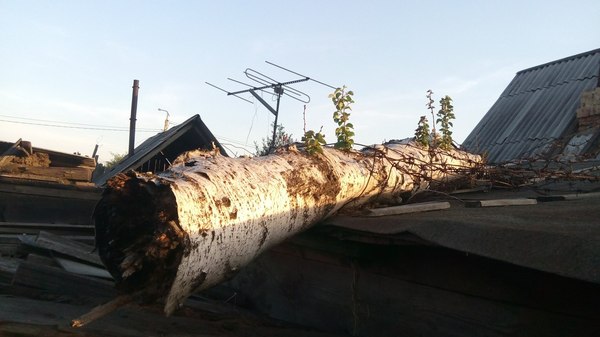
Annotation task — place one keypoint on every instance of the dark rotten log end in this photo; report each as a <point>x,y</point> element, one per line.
<point>138,235</point>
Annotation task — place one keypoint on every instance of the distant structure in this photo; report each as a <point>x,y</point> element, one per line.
<point>157,153</point>
<point>551,110</point>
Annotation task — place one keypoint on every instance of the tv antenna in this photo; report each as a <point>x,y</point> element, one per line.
<point>279,89</point>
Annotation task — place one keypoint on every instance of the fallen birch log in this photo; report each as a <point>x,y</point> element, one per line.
<point>196,224</point>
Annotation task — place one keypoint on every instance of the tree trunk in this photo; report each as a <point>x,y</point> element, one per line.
<point>195,225</point>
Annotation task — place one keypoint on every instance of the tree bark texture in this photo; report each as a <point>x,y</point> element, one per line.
<point>196,224</point>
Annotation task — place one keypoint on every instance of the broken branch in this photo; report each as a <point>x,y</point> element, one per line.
<point>102,310</point>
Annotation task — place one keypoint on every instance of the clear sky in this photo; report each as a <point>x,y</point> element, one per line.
<point>75,61</point>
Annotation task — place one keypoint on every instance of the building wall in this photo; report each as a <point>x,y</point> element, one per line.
<point>588,113</point>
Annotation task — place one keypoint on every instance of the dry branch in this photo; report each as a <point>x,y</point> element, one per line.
<point>101,311</point>
<point>195,225</point>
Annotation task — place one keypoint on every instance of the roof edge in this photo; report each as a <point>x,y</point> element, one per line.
<point>590,52</point>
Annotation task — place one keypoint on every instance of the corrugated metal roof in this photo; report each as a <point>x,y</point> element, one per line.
<point>189,135</point>
<point>536,110</point>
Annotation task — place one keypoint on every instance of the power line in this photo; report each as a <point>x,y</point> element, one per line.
<point>83,126</point>
<point>60,122</point>
<point>73,125</point>
<point>240,143</point>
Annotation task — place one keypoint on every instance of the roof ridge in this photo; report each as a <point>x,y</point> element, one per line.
<point>564,59</point>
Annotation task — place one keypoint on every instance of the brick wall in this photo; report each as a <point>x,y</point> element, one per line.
<point>588,113</point>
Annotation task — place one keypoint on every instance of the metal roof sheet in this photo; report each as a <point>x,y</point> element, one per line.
<point>189,135</point>
<point>536,110</point>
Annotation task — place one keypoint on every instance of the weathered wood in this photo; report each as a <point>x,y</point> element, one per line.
<point>57,281</point>
<point>501,202</point>
<point>207,216</point>
<point>46,202</point>
<point>24,317</point>
<point>581,195</point>
<point>412,291</point>
<point>82,268</point>
<point>547,198</point>
<point>411,208</point>
<point>8,268</point>
<point>33,177</point>
<point>68,247</point>
<point>9,244</point>
<point>35,228</point>
<point>67,159</point>
<point>47,173</point>
<point>102,310</point>
<point>43,260</point>
<point>50,189</point>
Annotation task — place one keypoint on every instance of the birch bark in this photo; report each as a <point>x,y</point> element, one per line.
<point>195,225</point>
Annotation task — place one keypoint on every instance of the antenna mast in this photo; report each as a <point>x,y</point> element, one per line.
<point>279,89</point>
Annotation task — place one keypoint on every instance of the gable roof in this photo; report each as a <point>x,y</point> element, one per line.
<point>537,109</point>
<point>166,146</point>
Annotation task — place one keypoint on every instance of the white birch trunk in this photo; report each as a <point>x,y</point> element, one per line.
<point>213,214</point>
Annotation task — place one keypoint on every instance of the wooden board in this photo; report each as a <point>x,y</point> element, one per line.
<point>82,268</point>
<point>24,317</point>
<point>68,247</point>
<point>411,208</point>
<point>67,159</point>
<point>48,173</point>
<point>48,188</point>
<point>416,291</point>
<point>8,268</point>
<point>500,202</point>
<point>57,281</point>
<point>35,228</point>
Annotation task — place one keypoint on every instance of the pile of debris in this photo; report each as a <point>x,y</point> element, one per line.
<point>21,160</point>
<point>49,277</point>
<point>45,186</point>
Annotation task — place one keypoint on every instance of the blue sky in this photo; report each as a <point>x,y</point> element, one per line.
<point>75,61</point>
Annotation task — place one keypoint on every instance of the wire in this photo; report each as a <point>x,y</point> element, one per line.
<point>51,121</point>
<point>69,125</point>
<point>253,118</point>
<point>240,143</point>
<point>80,127</point>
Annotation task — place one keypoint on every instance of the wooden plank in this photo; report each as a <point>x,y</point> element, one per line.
<point>58,281</point>
<point>9,245</point>
<point>68,247</point>
<point>41,260</point>
<point>501,202</point>
<point>31,177</point>
<point>68,173</point>
<point>412,208</point>
<point>42,209</point>
<point>82,268</point>
<point>50,190</point>
<point>582,195</point>
<point>417,291</point>
<point>67,159</point>
<point>8,268</point>
<point>35,228</point>
<point>547,198</point>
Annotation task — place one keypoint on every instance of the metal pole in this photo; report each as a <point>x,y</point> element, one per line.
<point>279,92</point>
<point>132,119</point>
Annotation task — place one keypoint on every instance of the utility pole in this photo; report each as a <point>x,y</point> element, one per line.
<point>132,119</point>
